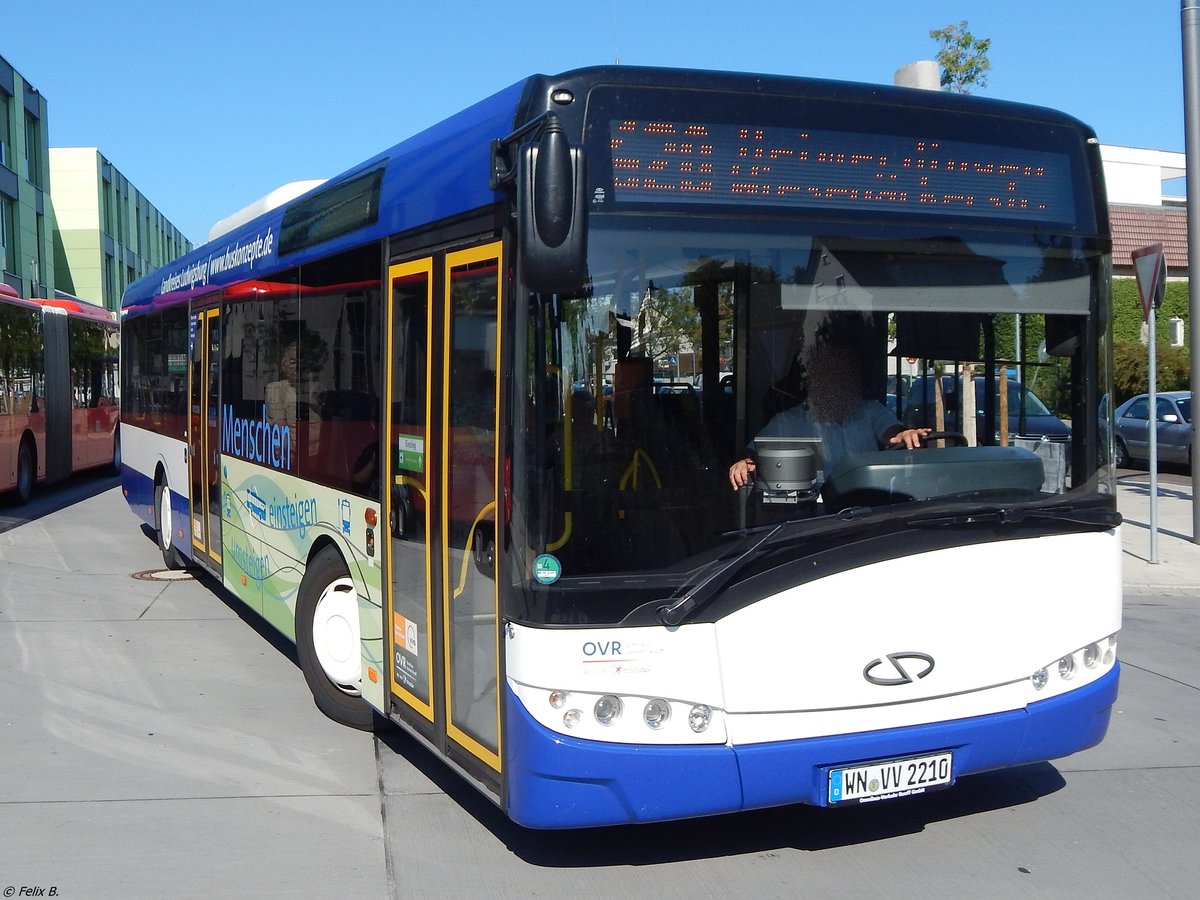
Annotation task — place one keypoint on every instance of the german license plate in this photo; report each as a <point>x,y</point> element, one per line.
<point>891,778</point>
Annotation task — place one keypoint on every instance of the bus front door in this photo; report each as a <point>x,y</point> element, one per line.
<point>443,605</point>
<point>204,434</point>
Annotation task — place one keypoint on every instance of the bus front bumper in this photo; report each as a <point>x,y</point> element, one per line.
<point>555,781</point>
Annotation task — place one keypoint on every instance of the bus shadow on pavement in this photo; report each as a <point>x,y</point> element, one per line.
<point>260,625</point>
<point>56,497</point>
<point>798,827</point>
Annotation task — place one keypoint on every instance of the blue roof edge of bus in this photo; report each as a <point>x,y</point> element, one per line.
<point>453,180</point>
<point>456,178</point>
<point>850,91</point>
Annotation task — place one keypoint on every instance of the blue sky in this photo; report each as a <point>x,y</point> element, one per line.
<point>207,106</point>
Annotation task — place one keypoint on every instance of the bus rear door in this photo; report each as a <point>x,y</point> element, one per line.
<point>204,437</point>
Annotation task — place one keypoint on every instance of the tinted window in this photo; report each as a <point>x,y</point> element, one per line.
<point>93,363</point>
<point>1139,409</point>
<point>154,371</point>
<point>20,359</point>
<point>302,352</point>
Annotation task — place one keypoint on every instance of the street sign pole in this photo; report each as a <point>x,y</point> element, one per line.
<point>1190,27</point>
<point>1152,374</point>
<point>1150,270</point>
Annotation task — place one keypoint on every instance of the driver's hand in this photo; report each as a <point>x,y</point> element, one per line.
<point>909,437</point>
<point>740,472</point>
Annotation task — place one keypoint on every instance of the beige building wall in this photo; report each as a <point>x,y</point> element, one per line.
<point>79,268</point>
<point>108,232</point>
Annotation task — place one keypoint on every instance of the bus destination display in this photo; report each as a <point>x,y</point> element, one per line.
<point>657,161</point>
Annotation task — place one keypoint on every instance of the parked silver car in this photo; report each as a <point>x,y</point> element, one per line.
<point>1173,428</point>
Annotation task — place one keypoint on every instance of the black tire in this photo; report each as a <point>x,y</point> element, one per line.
<point>327,612</point>
<point>26,472</point>
<point>115,468</point>
<point>163,527</point>
<point>1121,458</point>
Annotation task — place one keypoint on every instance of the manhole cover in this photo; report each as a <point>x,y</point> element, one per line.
<point>163,575</point>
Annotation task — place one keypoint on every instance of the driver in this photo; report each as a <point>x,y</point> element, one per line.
<point>835,412</point>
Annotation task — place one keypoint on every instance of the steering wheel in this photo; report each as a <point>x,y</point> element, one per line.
<point>957,436</point>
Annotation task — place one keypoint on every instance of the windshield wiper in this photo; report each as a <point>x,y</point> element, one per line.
<point>1092,516</point>
<point>675,613</point>
<point>690,597</point>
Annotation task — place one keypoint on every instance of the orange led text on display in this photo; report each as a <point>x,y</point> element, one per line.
<point>731,163</point>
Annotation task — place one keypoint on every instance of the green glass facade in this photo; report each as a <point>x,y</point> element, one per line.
<point>26,238</point>
<point>70,222</point>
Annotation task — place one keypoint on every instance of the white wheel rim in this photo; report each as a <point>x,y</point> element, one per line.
<point>164,518</point>
<point>336,636</point>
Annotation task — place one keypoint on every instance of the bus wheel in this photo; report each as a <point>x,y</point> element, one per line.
<point>327,640</point>
<point>26,473</point>
<point>163,527</point>
<point>116,456</point>
<point>1121,458</point>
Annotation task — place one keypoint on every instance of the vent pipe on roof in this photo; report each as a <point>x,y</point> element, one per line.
<point>923,74</point>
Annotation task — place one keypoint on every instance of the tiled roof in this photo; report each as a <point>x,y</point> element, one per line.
<point>1134,227</point>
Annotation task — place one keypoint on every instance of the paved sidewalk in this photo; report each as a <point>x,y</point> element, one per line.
<point>1178,566</point>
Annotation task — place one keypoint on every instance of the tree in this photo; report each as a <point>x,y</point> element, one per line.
<point>963,58</point>
<point>669,324</point>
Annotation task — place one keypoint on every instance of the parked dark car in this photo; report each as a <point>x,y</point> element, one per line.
<point>1034,421</point>
<point>1173,429</point>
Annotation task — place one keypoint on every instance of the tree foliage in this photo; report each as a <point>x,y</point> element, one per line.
<point>668,325</point>
<point>1130,363</point>
<point>1131,368</point>
<point>962,57</point>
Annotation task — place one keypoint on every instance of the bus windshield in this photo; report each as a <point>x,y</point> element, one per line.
<point>804,353</point>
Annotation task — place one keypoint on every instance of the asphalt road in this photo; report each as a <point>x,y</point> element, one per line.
<point>155,741</point>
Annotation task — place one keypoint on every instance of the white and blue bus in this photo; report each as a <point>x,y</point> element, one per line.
<point>460,423</point>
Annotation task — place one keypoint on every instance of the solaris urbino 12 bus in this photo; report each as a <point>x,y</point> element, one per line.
<point>460,423</point>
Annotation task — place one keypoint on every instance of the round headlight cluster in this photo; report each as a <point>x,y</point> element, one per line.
<point>700,718</point>
<point>1068,666</point>
<point>656,714</point>
<point>607,710</point>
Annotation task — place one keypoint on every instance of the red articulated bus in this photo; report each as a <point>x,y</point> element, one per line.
<point>58,390</point>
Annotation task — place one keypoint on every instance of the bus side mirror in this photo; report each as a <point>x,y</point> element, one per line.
<point>552,213</point>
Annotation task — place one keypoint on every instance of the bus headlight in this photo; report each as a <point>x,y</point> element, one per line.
<point>607,709</point>
<point>700,718</point>
<point>657,713</point>
<point>1090,656</point>
<point>1066,667</point>
<point>623,718</point>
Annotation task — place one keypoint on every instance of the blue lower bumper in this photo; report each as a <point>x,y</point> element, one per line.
<point>556,781</point>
